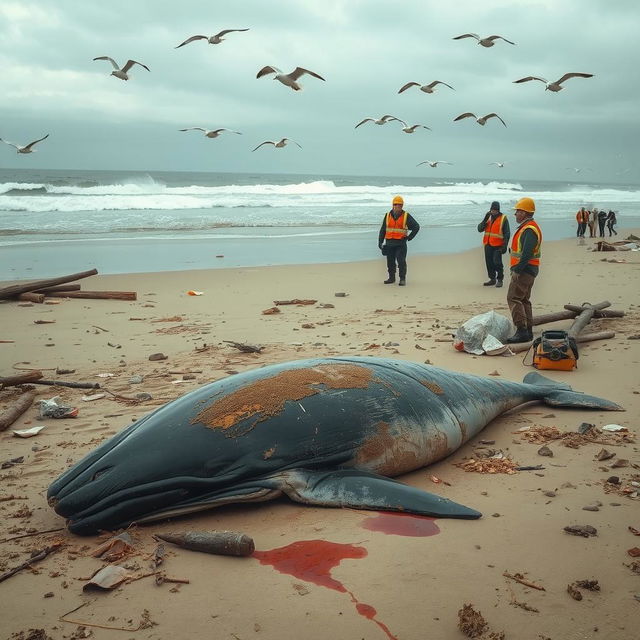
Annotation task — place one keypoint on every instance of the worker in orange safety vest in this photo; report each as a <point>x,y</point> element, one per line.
<point>496,241</point>
<point>398,227</point>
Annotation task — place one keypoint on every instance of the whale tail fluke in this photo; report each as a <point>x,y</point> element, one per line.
<point>560,394</point>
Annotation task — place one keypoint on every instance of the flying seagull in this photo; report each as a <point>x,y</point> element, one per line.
<point>217,39</point>
<point>498,164</point>
<point>277,145</point>
<point>482,120</point>
<point>489,41</point>
<point>121,73</point>
<point>288,79</point>
<point>427,88</point>
<point>209,133</point>
<point>28,147</point>
<point>382,120</point>
<point>433,163</point>
<point>413,127</point>
<point>557,85</point>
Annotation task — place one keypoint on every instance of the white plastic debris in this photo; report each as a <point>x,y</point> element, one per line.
<point>95,396</point>
<point>484,333</point>
<point>613,427</point>
<point>51,409</point>
<point>28,433</point>
<point>105,375</point>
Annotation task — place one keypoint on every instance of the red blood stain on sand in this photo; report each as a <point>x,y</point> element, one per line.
<point>401,524</point>
<point>312,560</point>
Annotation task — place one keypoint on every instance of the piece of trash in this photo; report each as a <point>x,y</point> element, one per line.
<point>613,480</point>
<point>584,427</point>
<point>228,543</point>
<point>573,592</point>
<point>603,454</point>
<point>613,427</point>
<point>105,375</point>
<point>157,356</point>
<point>191,292</point>
<point>634,552</point>
<point>143,395</point>
<point>28,433</point>
<point>589,585</point>
<point>177,381</point>
<point>117,547</point>
<point>95,396</point>
<point>484,333</point>
<point>51,409</point>
<point>435,479</point>
<point>270,311</point>
<point>584,530</point>
<point>620,462</point>
<point>108,577</point>
<point>136,379</point>
<point>340,294</point>
<point>634,531</point>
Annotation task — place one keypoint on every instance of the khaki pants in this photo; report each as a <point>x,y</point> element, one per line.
<point>518,299</point>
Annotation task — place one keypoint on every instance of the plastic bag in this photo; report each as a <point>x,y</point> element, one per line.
<point>51,409</point>
<point>484,333</point>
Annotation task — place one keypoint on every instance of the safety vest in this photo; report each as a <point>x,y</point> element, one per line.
<point>493,235</point>
<point>516,245</point>
<point>396,229</point>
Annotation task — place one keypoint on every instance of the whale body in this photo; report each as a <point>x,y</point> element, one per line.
<point>326,431</point>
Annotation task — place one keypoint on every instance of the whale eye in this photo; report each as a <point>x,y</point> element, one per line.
<point>97,474</point>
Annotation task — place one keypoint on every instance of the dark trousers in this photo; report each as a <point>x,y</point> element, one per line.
<point>601,226</point>
<point>493,260</point>
<point>397,253</point>
<point>611,229</point>
<point>519,299</point>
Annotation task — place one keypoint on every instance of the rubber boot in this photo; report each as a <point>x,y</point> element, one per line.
<point>498,284</point>
<point>402,282</point>
<point>489,283</point>
<point>521,335</point>
<point>530,334</point>
<point>390,280</point>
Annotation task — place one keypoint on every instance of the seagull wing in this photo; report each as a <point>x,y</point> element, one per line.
<point>424,162</point>
<point>465,115</point>
<point>363,121</point>
<point>11,144</point>
<point>266,70</point>
<point>130,64</point>
<point>389,118</point>
<point>265,142</point>
<point>225,31</point>
<point>230,130</point>
<point>467,35</point>
<point>409,84</point>
<point>495,115</point>
<point>435,82</point>
<point>289,140</point>
<point>192,129</point>
<point>299,71</point>
<point>499,37</point>
<point>528,78</point>
<point>191,39</point>
<point>424,126</point>
<point>442,162</point>
<point>111,60</point>
<point>28,146</point>
<point>566,76</point>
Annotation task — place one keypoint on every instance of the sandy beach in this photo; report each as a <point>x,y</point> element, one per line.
<point>415,582</point>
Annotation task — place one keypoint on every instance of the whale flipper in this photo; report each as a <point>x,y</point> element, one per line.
<point>364,490</point>
<point>560,394</point>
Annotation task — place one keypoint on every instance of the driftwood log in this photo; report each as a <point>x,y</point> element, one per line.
<point>16,289</point>
<point>584,337</point>
<point>584,317</point>
<point>555,316</point>
<point>21,378</point>
<point>95,295</point>
<point>72,385</point>
<point>8,417</point>
<point>32,296</point>
<point>35,557</point>
<point>600,313</point>
<point>60,287</point>
<point>244,347</point>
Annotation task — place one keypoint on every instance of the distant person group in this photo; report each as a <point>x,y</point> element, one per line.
<point>399,227</point>
<point>594,219</point>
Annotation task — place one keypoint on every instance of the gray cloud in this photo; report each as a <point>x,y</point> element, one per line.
<point>366,50</point>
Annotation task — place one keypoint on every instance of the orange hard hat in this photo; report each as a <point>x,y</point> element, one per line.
<point>397,200</point>
<point>526,204</point>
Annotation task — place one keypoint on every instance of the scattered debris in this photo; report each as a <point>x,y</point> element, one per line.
<point>244,347</point>
<point>545,451</point>
<point>115,548</point>
<point>584,530</point>
<point>340,294</point>
<point>154,357</point>
<point>107,578</point>
<point>28,433</point>
<point>573,592</point>
<point>603,454</point>
<point>518,577</point>
<point>295,301</point>
<point>634,552</point>
<point>271,311</point>
<point>228,543</point>
<point>489,465</point>
<point>36,556</point>
<point>51,409</point>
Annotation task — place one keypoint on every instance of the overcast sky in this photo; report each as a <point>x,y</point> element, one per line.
<point>365,49</point>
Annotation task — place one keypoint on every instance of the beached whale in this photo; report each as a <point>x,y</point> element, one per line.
<point>327,431</point>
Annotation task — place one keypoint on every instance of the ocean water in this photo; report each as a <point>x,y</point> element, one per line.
<point>55,222</point>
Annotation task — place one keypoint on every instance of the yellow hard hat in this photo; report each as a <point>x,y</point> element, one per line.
<point>526,204</point>
<point>397,200</point>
